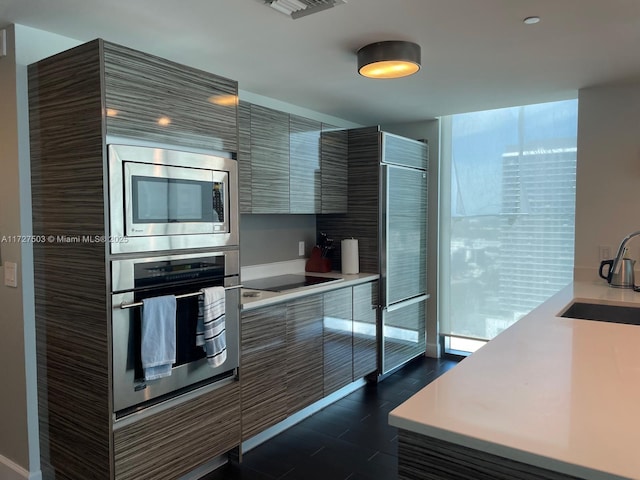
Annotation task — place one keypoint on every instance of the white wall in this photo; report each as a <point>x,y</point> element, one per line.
<point>608,174</point>
<point>14,439</point>
<point>19,447</point>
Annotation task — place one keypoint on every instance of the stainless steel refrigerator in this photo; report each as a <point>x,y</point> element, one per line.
<point>387,213</point>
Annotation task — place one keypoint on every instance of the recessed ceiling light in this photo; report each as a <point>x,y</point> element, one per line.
<point>531,20</point>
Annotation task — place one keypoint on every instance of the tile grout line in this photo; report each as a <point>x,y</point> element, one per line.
<point>317,451</point>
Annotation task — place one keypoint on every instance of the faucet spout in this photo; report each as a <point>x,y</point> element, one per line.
<point>621,249</point>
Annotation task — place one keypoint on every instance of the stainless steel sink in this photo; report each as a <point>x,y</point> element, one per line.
<point>603,313</point>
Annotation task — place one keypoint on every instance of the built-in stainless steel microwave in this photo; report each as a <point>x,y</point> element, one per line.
<point>164,199</point>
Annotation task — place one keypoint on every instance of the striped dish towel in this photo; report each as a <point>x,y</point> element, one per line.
<point>210,332</point>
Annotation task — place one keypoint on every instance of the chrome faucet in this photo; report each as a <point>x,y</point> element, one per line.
<point>621,251</point>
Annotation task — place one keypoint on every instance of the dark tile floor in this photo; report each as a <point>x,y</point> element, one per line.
<point>348,440</point>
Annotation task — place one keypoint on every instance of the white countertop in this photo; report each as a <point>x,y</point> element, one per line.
<point>558,393</point>
<point>266,298</point>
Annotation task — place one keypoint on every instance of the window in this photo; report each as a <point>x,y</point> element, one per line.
<point>507,215</point>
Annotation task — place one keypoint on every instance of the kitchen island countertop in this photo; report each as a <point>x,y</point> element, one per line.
<point>558,393</point>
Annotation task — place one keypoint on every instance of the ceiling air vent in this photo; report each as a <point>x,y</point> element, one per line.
<point>301,8</point>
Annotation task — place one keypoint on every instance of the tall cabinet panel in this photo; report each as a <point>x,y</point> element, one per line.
<point>304,352</point>
<point>150,98</point>
<point>244,157</point>
<point>338,327</point>
<point>269,160</point>
<point>79,100</point>
<point>70,281</point>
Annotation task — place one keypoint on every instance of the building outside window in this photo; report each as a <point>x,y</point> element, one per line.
<point>507,218</point>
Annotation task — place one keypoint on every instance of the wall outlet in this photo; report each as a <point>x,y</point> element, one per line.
<point>11,274</point>
<point>301,248</point>
<point>604,252</point>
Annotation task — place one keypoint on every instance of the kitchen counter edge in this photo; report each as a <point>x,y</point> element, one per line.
<point>267,298</point>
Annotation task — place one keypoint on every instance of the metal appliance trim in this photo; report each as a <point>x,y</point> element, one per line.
<point>406,303</point>
<point>120,243</point>
<point>185,295</point>
<point>132,169</point>
<point>384,228</point>
<point>122,270</point>
<point>124,394</point>
<point>120,422</point>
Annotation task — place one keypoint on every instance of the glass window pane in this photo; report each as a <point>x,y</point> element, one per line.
<point>509,230</point>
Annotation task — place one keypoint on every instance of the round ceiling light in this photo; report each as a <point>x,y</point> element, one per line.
<point>531,20</point>
<point>391,59</point>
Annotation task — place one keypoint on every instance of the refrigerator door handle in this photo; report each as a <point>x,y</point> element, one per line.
<point>406,303</point>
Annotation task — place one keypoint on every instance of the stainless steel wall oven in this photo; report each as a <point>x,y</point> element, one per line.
<point>183,275</point>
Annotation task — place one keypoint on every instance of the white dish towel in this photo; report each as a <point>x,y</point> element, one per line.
<point>158,346</point>
<point>211,334</point>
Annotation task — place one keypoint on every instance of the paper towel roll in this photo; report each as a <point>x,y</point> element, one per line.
<point>350,260</point>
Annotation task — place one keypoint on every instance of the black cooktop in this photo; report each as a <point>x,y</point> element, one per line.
<point>280,283</point>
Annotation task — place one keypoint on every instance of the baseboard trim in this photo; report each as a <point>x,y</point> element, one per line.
<point>205,469</point>
<point>10,470</point>
<point>301,415</point>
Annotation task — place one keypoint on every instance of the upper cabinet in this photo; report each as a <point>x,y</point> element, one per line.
<point>334,169</point>
<point>269,145</point>
<point>150,98</point>
<point>304,165</point>
<point>290,164</point>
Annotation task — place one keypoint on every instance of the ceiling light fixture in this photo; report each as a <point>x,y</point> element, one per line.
<point>531,20</point>
<point>391,59</point>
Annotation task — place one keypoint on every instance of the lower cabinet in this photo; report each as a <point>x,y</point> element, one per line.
<point>304,352</point>
<point>174,442</point>
<point>365,344</point>
<point>263,374</point>
<point>295,353</point>
<point>337,337</point>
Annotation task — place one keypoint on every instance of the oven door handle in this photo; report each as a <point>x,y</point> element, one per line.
<point>184,295</point>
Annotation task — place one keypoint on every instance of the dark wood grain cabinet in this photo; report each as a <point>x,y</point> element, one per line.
<point>297,352</point>
<point>174,442</point>
<point>290,164</point>
<point>334,169</point>
<point>150,98</point>
<point>263,368</point>
<point>244,157</point>
<point>269,145</point>
<point>365,346</point>
<point>304,165</point>
<point>337,339</point>
<point>304,352</point>
<point>79,101</point>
